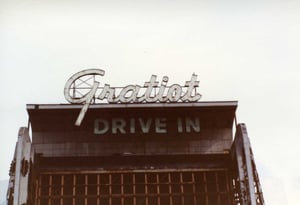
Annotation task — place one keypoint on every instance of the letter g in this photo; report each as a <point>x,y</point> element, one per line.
<point>88,96</point>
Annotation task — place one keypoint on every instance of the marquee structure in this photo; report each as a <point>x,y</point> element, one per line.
<point>163,152</point>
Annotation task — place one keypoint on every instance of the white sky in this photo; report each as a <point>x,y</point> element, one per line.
<point>241,50</point>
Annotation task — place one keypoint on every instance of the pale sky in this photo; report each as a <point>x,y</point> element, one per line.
<point>241,50</point>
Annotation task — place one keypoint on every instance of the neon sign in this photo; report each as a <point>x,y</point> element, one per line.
<point>84,88</point>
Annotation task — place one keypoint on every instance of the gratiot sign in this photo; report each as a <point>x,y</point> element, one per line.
<point>84,88</point>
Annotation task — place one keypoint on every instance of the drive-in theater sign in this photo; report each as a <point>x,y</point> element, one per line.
<point>150,144</point>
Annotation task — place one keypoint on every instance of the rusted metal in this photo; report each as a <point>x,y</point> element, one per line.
<point>75,166</point>
<point>165,188</point>
<point>247,186</point>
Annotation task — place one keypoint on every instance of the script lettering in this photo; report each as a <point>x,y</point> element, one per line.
<point>151,92</point>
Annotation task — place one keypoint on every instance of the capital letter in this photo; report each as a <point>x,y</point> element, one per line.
<point>145,126</point>
<point>101,129</point>
<point>74,77</point>
<point>192,124</point>
<point>118,124</point>
<point>87,98</point>
<point>160,125</point>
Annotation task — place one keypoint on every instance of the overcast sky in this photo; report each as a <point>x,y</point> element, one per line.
<point>241,50</point>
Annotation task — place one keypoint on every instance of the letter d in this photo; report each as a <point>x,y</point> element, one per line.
<point>101,129</point>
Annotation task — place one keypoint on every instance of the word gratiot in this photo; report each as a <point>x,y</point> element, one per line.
<point>150,92</point>
<point>133,93</point>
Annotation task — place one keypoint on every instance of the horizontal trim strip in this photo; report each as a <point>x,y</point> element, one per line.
<point>133,105</point>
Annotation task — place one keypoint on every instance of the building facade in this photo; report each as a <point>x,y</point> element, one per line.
<point>148,153</point>
<point>147,145</point>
